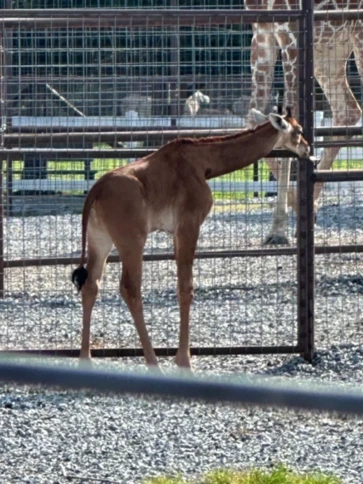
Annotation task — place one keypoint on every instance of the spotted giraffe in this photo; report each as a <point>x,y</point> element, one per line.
<point>334,42</point>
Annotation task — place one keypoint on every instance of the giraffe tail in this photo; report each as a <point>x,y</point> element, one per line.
<point>80,275</point>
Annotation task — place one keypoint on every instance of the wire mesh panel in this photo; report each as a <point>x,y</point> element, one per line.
<point>338,102</point>
<point>338,51</point>
<point>127,90</point>
<point>339,276</point>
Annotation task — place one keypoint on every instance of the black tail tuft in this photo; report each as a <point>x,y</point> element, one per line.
<point>79,277</point>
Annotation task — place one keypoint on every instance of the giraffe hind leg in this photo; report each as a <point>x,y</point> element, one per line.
<point>99,246</point>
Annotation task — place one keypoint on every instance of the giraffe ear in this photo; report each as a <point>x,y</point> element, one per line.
<point>279,123</point>
<point>258,116</point>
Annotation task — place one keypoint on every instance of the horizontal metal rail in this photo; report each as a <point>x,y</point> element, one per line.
<point>137,352</point>
<point>338,131</point>
<point>126,79</point>
<point>239,390</point>
<point>79,134</point>
<point>348,143</point>
<point>244,82</point>
<point>12,18</point>
<point>337,176</point>
<point>38,145</point>
<point>131,18</point>
<point>13,153</point>
<point>337,15</point>
<point>225,254</point>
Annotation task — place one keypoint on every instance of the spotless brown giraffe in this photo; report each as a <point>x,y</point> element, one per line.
<point>168,191</point>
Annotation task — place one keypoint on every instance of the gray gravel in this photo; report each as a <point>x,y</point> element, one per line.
<point>49,436</point>
<point>250,301</point>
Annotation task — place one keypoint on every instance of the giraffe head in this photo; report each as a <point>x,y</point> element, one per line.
<point>291,137</point>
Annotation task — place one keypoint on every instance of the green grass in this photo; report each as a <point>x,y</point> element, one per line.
<point>278,475</point>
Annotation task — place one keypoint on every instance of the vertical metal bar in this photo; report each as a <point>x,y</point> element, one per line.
<point>255,177</point>
<point>305,259</point>
<point>3,125</point>
<point>8,90</point>
<point>305,216</point>
<point>2,275</point>
<point>175,70</point>
<point>2,89</point>
<point>306,71</point>
<point>8,87</point>
<point>9,185</point>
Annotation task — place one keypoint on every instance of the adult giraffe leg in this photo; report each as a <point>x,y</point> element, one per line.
<point>357,41</point>
<point>287,43</point>
<point>330,72</point>
<point>264,51</point>
<point>262,60</point>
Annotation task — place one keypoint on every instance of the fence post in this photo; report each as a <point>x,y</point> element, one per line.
<point>305,215</point>
<point>2,275</point>
<point>305,259</point>
<point>2,145</point>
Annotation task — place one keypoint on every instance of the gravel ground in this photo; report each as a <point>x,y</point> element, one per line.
<point>49,436</point>
<point>59,437</point>
<point>239,301</point>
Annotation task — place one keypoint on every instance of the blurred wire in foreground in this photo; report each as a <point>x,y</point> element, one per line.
<point>240,390</point>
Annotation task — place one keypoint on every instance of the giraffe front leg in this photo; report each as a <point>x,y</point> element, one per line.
<point>278,232</point>
<point>185,242</point>
<point>286,196</point>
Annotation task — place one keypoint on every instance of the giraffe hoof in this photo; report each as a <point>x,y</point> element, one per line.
<point>155,369</point>
<point>276,240</point>
<point>185,371</point>
<point>183,363</point>
<point>85,363</point>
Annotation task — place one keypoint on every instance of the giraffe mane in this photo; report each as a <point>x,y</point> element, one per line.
<point>213,139</point>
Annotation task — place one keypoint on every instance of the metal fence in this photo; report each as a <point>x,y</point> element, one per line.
<point>78,82</point>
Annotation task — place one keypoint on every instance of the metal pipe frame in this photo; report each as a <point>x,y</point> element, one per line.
<point>65,153</point>
<point>55,152</point>
<point>337,176</point>
<point>305,216</point>
<point>46,135</point>
<point>131,18</point>
<point>163,256</point>
<point>307,177</point>
<point>138,352</point>
<point>99,18</point>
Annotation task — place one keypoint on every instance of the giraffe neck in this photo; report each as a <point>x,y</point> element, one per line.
<point>230,153</point>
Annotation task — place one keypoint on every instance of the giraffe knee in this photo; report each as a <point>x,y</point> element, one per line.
<point>350,115</point>
<point>90,288</point>
<point>356,114</point>
<point>185,293</point>
<point>129,290</point>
